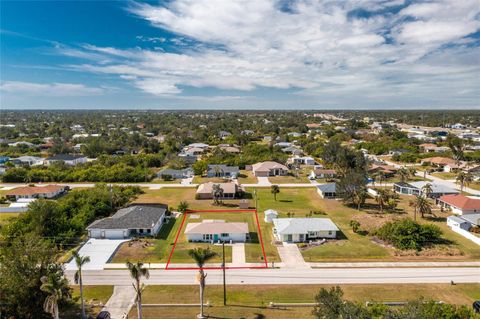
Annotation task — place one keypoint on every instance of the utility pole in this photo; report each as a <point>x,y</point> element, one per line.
<point>224,283</point>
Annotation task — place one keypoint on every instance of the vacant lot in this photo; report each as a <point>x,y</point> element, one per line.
<point>95,297</point>
<point>6,217</point>
<point>251,301</point>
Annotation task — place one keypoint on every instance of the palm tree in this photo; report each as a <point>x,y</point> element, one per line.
<point>217,193</point>
<point>137,271</point>
<point>56,286</point>
<point>464,179</point>
<point>403,174</point>
<point>80,261</point>
<point>182,206</point>
<point>275,190</point>
<point>427,189</point>
<point>422,205</point>
<point>201,256</point>
<point>382,198</point>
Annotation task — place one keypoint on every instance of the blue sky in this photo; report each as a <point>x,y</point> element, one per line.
<point>240,54</point>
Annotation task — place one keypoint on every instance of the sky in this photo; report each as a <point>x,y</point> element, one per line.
<point>240,54</point>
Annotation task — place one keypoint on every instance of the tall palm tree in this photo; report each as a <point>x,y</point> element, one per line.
<point>80,261</point>
<point>403,174</point>
<point>464,179</point>
<point>427,189</point>
<point>56,286</point>
<point>217,193</point>
<point>137,271</point>
<point>275,190</point>
<point>382,198</point>
<point>201,256</point>
<point>421,205</point>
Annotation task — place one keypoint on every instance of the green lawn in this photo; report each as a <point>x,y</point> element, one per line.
<point>6,217</point>
<point>203,179</point>
<point>95,297</point>
<point>251,301</point>
<point>247,177</point>
<point>288,179</point>
<point>444,175</point>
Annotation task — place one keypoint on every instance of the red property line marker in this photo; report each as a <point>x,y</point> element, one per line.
<point>261,240</point>
<point>176,238</point>
<point>218,268</point>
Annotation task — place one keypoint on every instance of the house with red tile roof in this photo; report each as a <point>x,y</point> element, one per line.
<point>459,204</point>
<point>49,191</point>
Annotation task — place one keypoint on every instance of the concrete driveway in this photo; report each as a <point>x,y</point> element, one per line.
<point>291,256</point>
<point>99,251</point>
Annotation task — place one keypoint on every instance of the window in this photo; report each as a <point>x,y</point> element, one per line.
<point>207,236</point>
<point>149,231</point>
<point>225,235</point>
<point>140,230</point>
<point>330,232</point>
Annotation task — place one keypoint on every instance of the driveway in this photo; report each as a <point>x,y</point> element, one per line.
<point>99,251</point>
<point>291,256</point>
<point>121,301</point>
<point>263,181</point>
<point>238,254</point>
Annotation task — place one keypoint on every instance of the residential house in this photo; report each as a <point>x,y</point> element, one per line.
<point>459,204</point>
<point>328,190</point>
<point>48,191</point>
<point>222,170</point>
<point>294,150</point>
<point>68,159</point>
<point>247,132</point>
<point>386,170</point>
<point>136,220</point>
<point>302,160</point>
<point>189,159</point>
<point>230,190</point>
<point>224,134</point>
<point>215,230</point>
<point>269,168</point>
<point>175,173</point>
<point>398,151</point>
<point>229,149</point>
<point>303,229</point>
<point>464,222</point>
<point>458,126</point>
<point>270,215</point>
<point>21,143</point>
<point>438,161</point>
<point>20,206</point>
<point>416,188</point>
<point>433,148</point>
<point>4,159</point>
<point>323,173</point>
<point>28,161</point>
<point>283,144</point>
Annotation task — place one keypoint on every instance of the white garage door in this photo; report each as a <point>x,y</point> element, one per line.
<point>114,233</point>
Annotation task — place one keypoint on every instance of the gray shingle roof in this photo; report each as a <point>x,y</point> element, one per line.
<point>138,216</point>
<point>223,168</point>
<point>328,188</point>
<point>65,157</point>
<point>303,225</point>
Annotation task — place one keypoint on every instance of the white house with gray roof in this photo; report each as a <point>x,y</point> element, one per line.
<point>303,229</point>
<point>328,190</point>
<point>221,170</point>
<point>137,220</point>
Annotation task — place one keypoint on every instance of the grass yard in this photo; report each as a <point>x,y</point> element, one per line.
<point>247,177</point>
<point>95,297</point>
<point>203,179</point>
<point>251,301</point>
<point>6,217</point>
<point>445,175</point>
<point>161,181</point>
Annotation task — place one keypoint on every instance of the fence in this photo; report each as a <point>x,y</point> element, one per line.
<point>467,235</point>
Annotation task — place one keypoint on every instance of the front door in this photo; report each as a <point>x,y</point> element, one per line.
<point>302,237</point>
<point>289,237</point>
<point>215,237</point>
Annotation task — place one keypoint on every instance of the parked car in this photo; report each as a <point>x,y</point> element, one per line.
<point>103,315</point>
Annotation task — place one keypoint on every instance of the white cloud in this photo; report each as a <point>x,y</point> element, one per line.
<point>51,89</point>
<point>315,47</point>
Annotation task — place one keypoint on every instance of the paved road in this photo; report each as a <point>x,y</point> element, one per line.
<point>292,276</point>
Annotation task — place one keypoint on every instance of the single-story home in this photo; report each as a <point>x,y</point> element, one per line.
<point>464,222</point>
<point>323,173</point>
<point>143,220</point>
<point>214,230</point>
<point>28,160</point>
<point>302,160</point>
<point>433,148</point>
<point>438,161</point>
<point>230,190</point>
<point>270,215</point>
<point>20,206</point>
<point>459,204</point>
<point>303,229</point>
<point>189,159</point>
<point>68,159</point>
<point>269,168</point>
<point>176,173</point>
<point>386,170</point>
<point>416,188</point>
<point>222,170</point>
<point>294,150</point>
<point>48,191</point>
<point>328,190</point>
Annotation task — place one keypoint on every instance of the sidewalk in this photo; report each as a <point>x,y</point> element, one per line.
<point>396,264</point>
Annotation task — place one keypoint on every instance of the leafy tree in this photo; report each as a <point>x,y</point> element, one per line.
<point>464,179</point>
<point>199,167</point>
<point>274,189</point>
<point>422,205</point>
<point>330,305</point>
<point>201,256</point>
<point>23,262</point>
<point>137,271</point>
<point>407,234</point>
<point>404,174</point>
<point>80,261</point>
<point>382,198</point>
<point>427,189</point>
<point>217,193</point>
<point>352,188</point>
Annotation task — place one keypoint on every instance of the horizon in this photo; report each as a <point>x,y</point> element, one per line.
<point>270,54</point>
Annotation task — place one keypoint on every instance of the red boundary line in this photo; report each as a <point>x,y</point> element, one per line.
<point>218,211</point>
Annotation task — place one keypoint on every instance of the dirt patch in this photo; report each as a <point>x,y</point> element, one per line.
<point>371,222</point>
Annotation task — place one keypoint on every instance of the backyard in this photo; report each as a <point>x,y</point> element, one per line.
<point>251,301</point>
